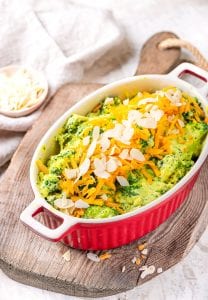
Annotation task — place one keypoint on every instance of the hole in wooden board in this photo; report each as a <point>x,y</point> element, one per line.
<point>48,219</point>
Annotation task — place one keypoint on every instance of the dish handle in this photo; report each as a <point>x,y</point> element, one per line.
<point>188,68</point>
<point>37,206</point>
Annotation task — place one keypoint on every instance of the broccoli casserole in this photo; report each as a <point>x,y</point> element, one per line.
<point>123,154</point>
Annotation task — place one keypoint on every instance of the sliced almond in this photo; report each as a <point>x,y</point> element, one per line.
<point>133,115</point>
<point>81,204</point>
<point>174,131</point>
<point>181,123</point>
<point>122,181</point>
<point>126,102</point>
<point>148,271</point>
<point>133,260</point>
<point>118,130</point>
<point>156,114</point>
<point>174,96</point>
<point>93,257</point>
<point>124,154</point>
<point>71,173</point>
<point>111,165</point>
<point>147,122</point>
<point>136,154</point>
<point>63,203</point>
<point>128,133</point>
<point>84,167</point>
<point>104,197</point>
<point>86,140</point>
<point>67,255</point>
<point>144,251</point>
<point>144,274</point>
<point>105,143</point>
<point>91,148</point>
<point>96,133</point>
<point>154,107</point>
<point>99,164</point>
<point>114,132</point>
<point>159,270</point>
<point>151,269</point>
<point>123,269</point>
<point>127,123</point>
<point>101,174</point>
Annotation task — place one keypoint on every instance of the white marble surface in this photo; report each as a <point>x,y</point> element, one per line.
<point>140,19</point>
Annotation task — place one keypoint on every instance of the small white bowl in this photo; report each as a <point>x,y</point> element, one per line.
<point>9,70</point>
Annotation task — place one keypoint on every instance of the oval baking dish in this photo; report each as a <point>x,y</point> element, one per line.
<point>99,234</point>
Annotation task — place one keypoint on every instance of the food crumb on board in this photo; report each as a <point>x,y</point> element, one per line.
<point>147,270</point>
<point>67,255</point>
<point>151,269</point>
<point>159,270</point>
<point>133,260</point>
<point>93,257</point>
<point>143,268</point>
<point>144,251</point>
<point>138,261</point>
<point>105,256</point>
<point>144,274</point>
<point>123,269</point>
<point>142,246</point>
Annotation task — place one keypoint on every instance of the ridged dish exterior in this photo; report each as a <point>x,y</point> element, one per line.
<point>110,235</point>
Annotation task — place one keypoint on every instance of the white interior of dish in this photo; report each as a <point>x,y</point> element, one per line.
<point>124,88</point>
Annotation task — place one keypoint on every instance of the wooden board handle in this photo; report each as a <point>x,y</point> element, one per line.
<point>157,61</point>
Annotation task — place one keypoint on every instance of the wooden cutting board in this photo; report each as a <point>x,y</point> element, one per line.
<point>31,260</point>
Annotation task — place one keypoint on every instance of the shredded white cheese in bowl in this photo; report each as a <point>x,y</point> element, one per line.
<point>22,90</point>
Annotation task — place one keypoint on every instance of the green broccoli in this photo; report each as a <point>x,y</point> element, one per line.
<point>174,166</point>
<point>96,212</point>
<point>73,123</point>
<point>49,183</point>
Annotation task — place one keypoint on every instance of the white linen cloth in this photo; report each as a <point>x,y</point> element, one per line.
<point>61,42</point>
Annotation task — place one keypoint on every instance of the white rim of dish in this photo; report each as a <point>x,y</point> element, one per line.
<point>85,100</point>
<point>41,99</point>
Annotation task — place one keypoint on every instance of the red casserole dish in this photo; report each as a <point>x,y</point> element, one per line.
<point>99,234</point>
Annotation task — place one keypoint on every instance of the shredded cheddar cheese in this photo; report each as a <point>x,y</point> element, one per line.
<point>41,166</point>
